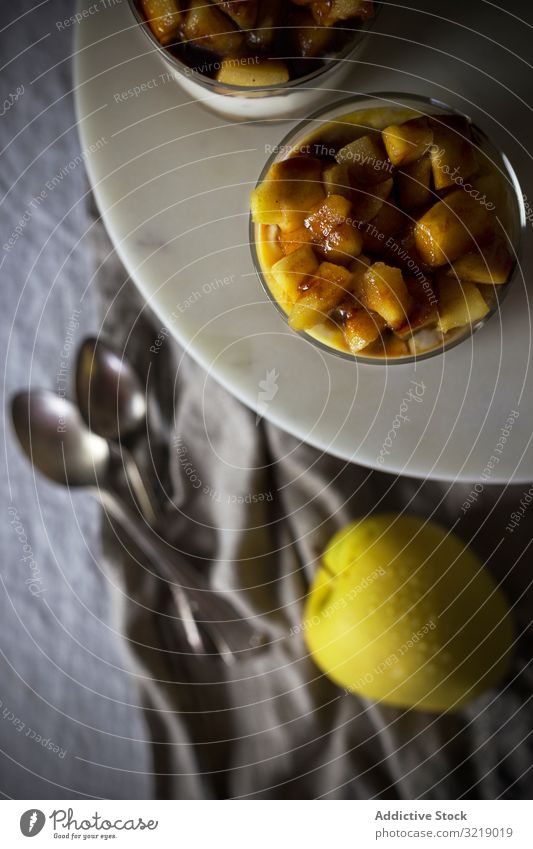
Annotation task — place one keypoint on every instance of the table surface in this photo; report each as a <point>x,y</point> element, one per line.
<point>58,647</point>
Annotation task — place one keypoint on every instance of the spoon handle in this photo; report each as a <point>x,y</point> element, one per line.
<point>136,481</point>
<point>215,616</point>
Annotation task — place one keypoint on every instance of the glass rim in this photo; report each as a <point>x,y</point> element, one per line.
<point>394,99</point>
<point>274,89</point>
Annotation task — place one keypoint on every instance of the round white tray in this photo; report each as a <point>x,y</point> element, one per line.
<point>172,181</point>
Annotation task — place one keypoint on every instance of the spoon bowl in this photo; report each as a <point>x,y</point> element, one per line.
<point>112,402</point>
<point>57,441</point>
<point>109,392</point>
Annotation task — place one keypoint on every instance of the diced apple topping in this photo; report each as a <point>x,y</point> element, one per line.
<point>407,142</point>
<point>292,188</point>
<point>271,41</point>
<point>428,258</point>
<point>268,24</point>
<point>336,239</point>
<point>452,153</point>
<point>256,75</point>
<point>309,39</point>
<point>322,293</point>
<point>367,201</point>
<point>242,12</point>
<point>329,12</point>
<point>361,329</point>
<point>383,291</point>
<point>451,227</point>
<point>205,26</point>
<point>460,304</point>
<point>164,18</point>
<point>366,159</point>
<point>342,244</point>
<point>290,242</point>
<point>337,181</point>
<point>332,212</point>
<point>414,183</point>
<point>489,264</point>
<point>293,270</point>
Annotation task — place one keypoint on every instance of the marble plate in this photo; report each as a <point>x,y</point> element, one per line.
<point>172,181</point>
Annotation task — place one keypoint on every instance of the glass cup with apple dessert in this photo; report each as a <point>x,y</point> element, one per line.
<point>258,59</point>
<point>386,228</point>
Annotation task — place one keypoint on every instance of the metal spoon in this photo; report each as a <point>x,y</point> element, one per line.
<point>112,402</point>
<point>58,443</point>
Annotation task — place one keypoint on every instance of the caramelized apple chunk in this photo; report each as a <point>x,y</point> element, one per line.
<point>337,181</point>
<point>252,75</point>
<point>414,183</point>
<point>361,328</point>
<point>309,40</point>
<point>291,188</point>
<point>367,201</point>
<point>291,272</point>
<point>366,159</point>
<point>164,17</point>
<point>242,12</point>
<point>450,227</point>
<point>268,23</point>
<point>489,264</point>
<point>320,295</point>
<point>206,26</point>
<point>452,153</point>
<point>407,142</point>
<point>329,214</point>
<point>460,304</point>
<point>336,238</point>
<point>383,291</point>
<point>329,12</point>
<point>290,242</point>
<point>342,244</point>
